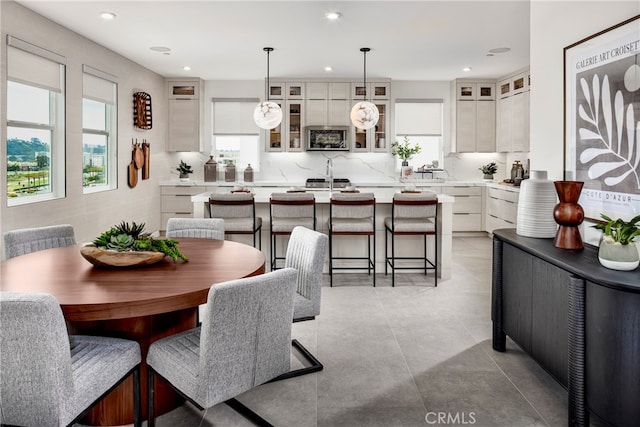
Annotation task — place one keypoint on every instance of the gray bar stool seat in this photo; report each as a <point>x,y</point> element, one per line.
<point>353,214</point>
<point>238,210</point>
<point>287,211</point>
<point>412,214</point>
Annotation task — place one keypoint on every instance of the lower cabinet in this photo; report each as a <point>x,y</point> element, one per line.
<point>176,201</point>
<point>467,210</point>
<point>501,208</point>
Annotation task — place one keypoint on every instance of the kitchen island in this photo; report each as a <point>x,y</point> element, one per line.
<point>384,198</point>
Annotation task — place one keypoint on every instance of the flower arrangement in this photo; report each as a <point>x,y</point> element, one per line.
<point>126,238</point>
<point>404,150</point>
<point>489,169</point>
<point>619,231</point>
<point>184,169</point>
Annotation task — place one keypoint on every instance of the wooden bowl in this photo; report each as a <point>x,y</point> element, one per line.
<point>103,258</point>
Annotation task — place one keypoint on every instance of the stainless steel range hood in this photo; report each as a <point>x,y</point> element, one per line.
<point>327,138</point>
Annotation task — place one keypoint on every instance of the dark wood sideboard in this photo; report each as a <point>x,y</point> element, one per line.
<point>577,319</point>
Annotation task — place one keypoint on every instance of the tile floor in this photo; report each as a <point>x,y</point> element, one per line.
<point>413,355</point>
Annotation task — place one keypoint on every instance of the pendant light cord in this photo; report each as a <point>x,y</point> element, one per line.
<point>268,50</point>
<point>364,50</point>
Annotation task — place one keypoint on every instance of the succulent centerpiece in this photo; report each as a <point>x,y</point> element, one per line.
<point>127,245</point>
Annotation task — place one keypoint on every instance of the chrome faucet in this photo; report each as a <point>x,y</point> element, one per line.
<point>330,174</point>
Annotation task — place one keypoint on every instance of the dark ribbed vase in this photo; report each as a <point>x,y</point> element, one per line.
<point>568,214</point>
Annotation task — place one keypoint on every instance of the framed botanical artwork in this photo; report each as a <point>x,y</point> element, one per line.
<point>602,120</point>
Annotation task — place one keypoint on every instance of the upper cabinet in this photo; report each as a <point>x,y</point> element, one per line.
<point>185,112</point>
<point>372,91</point>
<point>474,116</point>
<point>513,113</point>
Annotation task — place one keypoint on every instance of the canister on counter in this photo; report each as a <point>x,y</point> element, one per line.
<point>248,173</point>
<point>211,170</point>
<point>230,172</point>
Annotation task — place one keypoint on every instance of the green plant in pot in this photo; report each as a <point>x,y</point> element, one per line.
<point>404,150</point>
<point>489,170</point>
<point>184,170</point>
<point>617,250</point>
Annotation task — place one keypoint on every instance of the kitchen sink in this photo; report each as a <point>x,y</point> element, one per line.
<point>321,183</point>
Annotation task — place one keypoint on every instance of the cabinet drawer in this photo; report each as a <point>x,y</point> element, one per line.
<point>497,193</point>
<point>493,206</point>
<point>509,211</point>
<point>467,204</point>
<point>467,222</point>
<point>511,196</point>
<point>182,189</point>
<point>180,203</point>
<point>462,190</point>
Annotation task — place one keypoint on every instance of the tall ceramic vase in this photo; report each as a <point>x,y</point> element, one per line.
<point>568,214</point>
<point>536,203</point>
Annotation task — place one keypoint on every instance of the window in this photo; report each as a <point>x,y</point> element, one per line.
<point>421,121</point>
<point>236,137</point>
<point>35,123</point>
<point>99,126</point>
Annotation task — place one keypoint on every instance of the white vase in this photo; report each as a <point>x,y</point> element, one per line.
<point>537,199</point>
<point>617,256</point>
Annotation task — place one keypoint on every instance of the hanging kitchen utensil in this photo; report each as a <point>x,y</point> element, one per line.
<point>142,110</point>
<point>133,174</point>
<point>138,155</point>
<point>146,150</point>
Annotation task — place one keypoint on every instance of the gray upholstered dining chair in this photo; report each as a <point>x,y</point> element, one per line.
<point>27,240</point>
<point>306,253</point>
<point>244,341</point>
<point>49,378</point>
<point>202,228</point>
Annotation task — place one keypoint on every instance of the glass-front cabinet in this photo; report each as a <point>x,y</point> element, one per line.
<point>274,137</point>
<point>294,122</point>
<point>374,139</point>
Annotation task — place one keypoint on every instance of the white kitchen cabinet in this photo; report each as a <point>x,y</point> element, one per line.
<point>512,116</point>
<point>176,201</point>
<point>277,90</point>
<point>501,208</point>
<point>339,90</point>
<point>474,116</point>
<point>274,137</point>
<point>295,90</point>
<point>325,112</point>
<point>467,209</point>
<point>185,111</point>
<point>294,116</point>
<point>372,91</point>
<point>317,90</point>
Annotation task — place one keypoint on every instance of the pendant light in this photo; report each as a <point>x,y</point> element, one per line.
<point>267,114</point>
<point>364,115</point>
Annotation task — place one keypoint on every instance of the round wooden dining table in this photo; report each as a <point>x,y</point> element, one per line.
<point>142,304</point>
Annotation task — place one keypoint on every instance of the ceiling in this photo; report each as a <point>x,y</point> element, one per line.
<point>223,40</point>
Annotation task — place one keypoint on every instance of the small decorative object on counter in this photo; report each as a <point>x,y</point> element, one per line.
<point>211,170</point>
<point>230,172</point>
<point>536,202</point>
<point>489,170</point>
<point>517,172</point>
<point>617,250</point>
<point>568,214</point>
<point>184,170</point>
<point>248,173</point>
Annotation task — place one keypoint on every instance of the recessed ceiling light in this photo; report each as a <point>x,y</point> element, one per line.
<point>107,16</point>
<point>332,16</point>
<point>466,69</point>
<point>500,50</point>
<point>186,68</point>
<point>160,49</point>
<point>328,68</point>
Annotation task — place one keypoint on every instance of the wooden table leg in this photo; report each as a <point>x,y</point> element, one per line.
<point>117,407</point>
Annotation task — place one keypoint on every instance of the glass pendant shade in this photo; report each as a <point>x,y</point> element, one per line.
<point>364,115</point>
<point>267,115</point>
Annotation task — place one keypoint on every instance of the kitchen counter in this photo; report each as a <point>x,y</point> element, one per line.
<point>376,184</point>
<point>384,197</point>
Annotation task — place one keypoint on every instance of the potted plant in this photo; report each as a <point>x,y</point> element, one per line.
<point>184,170</point>
<point>489,170</point>
<point>127,245</point>
<point>617,250</point>
<point>404,151</point>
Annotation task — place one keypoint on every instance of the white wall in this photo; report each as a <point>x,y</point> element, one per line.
<point>555,25</point>
<point>90,214</point>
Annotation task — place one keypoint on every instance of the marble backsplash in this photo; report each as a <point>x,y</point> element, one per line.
<point>358,167</point>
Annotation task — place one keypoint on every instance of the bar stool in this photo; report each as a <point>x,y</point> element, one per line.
<point>239,213</point>
<point>412,214</point>
<point>353,214</point>
<point>286,211</point>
